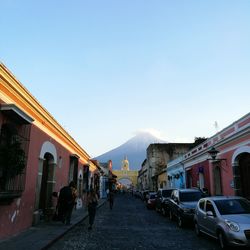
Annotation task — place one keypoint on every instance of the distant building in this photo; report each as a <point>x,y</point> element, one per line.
<point>127,178</point>
<point>176,174</point>
<point>105,178</point>
<point>144,177</point>
<point>158,156</point>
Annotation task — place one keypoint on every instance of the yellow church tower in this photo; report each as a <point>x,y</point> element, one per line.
<point>125,164</point>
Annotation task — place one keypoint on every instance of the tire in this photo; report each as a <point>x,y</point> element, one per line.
<point>180,221</point>
<point>196,229</point>
<point>222,240</point>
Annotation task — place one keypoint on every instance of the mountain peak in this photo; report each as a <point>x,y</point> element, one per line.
<point>135,150</point>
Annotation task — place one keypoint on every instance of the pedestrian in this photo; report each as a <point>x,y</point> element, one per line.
<point>111,199</point>
<point>92,202</point>
<point>66,202</point>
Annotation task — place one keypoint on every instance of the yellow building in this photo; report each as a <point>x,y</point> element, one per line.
<point>125,177</point>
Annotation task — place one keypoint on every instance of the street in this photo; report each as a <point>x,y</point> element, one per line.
<point>131,226</point>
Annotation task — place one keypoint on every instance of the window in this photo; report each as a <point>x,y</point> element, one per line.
<point>73,168</point>
<point>14,141</point>
<point>166,193</point>
<point>233,206</point>
<point>202,204</point>
<point>210,207</point>
<point>190,196</point>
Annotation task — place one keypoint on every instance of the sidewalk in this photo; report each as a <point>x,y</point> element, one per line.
<point>42,236</point>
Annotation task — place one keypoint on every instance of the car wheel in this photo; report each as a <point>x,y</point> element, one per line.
<point>197,230</point>
<point>180,221</point>
<point>222,241</point>
<point>171,217</point>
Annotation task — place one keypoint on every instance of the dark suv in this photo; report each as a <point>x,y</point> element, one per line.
<point>162,199</point>
<point>182,204</point>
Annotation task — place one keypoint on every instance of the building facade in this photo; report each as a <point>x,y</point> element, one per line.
<point>37,158</point>
<point>158,155</point>
<point>144,180</point>
<point>176,174</point>
<point>227,172</point>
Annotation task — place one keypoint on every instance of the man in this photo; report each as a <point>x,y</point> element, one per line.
<point>111,199</point>
<point>66,202</point>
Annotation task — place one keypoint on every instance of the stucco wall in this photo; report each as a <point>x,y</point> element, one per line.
<point>18,216</point>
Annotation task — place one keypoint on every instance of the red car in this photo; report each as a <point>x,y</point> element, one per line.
<point>151,201</point>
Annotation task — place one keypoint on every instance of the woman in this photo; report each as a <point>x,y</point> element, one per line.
<point>92,201</point>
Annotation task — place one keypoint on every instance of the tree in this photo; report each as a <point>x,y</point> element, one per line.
<point>198,140</point>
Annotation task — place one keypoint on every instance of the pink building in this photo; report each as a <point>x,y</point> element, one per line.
<point>229,172</point>
<point>37,158</point>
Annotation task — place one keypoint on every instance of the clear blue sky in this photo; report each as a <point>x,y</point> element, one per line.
<point>106,69</point>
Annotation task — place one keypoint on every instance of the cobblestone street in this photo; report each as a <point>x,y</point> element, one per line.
<point>131,226</point>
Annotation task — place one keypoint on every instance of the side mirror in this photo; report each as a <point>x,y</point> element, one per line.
<point>210,214</point>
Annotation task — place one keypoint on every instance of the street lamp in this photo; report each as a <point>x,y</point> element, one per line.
<point>213,153</point>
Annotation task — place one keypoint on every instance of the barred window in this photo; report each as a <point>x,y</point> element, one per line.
<point>14,141</point>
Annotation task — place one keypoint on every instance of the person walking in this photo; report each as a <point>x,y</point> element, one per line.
<point>92,202</point>
<point>111,199</point>
<point>66,202</point>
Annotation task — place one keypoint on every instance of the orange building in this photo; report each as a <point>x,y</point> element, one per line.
<point>37,158</point>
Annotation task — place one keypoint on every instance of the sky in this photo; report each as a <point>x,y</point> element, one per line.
<point>106,69</point>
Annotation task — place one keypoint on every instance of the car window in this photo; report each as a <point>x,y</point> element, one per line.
<point>174,194</point>
<point>166,193</point>
<point>190,196</point>
<point>202,205</point>
<point>233,206</point>
<point>210,207</point>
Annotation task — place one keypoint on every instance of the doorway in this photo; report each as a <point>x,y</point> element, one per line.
<point>45,198</point>
<point>244,170</point>
<point>201,180</point>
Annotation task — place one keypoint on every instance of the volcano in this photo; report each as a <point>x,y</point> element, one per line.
<point>134,149</point>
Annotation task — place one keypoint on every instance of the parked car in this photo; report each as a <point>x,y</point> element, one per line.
<point>144,195</point>
<point>150,203</point>
<point>182,204</point>
<point>137,194</point>
<point>162,200</point>
<point>224,218</point>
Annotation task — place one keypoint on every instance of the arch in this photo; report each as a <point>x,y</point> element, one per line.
<point>125,181</point>
<point>125,177</point>
<point>244,149</point>
<point>237,169</point>
<point>48,147</point>
<point>46,180</point>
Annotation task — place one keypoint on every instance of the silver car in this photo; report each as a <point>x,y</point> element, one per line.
<point>226,218</point>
